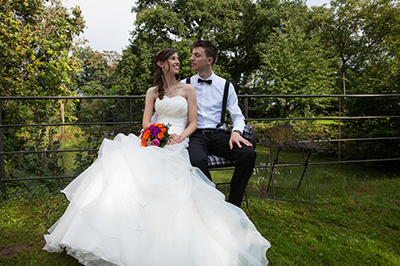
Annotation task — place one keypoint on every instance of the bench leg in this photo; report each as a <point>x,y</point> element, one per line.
<point>271,182</point>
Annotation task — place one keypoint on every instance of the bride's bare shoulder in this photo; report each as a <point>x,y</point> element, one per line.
<point>187,88</point>
<point>152,92</point>
<point>152,89</point>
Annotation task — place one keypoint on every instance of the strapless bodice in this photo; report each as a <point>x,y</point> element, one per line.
<point>173,111</point>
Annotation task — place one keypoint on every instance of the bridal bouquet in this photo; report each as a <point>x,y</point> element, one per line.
<point>155,135</point>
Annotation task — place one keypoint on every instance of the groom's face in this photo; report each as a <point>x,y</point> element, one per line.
<point>199,60</point>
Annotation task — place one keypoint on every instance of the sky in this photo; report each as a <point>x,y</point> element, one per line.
<point>109,22</point>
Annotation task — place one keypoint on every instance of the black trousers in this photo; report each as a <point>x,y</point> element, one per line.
<point>217,143</point>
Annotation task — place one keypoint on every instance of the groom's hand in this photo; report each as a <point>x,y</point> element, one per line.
<point>237,139</point>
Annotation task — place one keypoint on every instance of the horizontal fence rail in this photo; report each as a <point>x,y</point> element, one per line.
<point>244,99</point>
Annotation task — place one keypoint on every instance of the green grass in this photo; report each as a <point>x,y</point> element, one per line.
<point>355,219</point>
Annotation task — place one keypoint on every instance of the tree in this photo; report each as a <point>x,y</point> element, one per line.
<point>99,77</point>
<point>36,37</point>
<point>293,61</point>
<point>36,59</point>
<point>234,26</point>
<point>365,36</point>
<point>99,74</point>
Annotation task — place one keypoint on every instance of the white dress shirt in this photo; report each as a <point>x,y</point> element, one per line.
<point>209,103</point>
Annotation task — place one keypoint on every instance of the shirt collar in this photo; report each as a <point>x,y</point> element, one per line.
<point>209,78</point>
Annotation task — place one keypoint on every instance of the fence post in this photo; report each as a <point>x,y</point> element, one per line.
<point>340,128</point>
<point>246,107</point>
<point>130,111</point>
<point>2,168</point>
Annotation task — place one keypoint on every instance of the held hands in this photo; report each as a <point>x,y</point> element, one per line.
<point>237,139</point>
<point>174,139</point>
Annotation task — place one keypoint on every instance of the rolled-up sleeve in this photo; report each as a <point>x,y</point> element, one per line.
<point>237,117</point>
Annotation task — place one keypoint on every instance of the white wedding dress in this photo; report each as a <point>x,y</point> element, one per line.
<point>148,206</point>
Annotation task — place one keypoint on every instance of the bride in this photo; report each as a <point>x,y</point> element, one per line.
<point>143,206</point>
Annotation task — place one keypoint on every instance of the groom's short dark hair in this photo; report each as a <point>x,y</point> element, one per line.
<point>209,47</point>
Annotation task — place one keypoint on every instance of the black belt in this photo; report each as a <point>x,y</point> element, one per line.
<point>208,130</point>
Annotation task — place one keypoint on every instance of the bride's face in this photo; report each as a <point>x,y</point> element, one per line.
<point>172,64</point>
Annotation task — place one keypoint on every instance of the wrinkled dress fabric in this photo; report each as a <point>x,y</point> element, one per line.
<point>148,206</point>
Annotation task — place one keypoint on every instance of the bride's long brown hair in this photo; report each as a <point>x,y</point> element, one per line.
<point>158,80</point>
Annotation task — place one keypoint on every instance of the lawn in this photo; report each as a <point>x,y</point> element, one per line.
<point>355,219</point>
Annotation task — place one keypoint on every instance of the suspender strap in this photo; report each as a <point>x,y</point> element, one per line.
<point>225,99</point>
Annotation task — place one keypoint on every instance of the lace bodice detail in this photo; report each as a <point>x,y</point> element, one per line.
<point>174,111</point>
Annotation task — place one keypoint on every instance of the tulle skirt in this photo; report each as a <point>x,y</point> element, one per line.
<point>148,206</point>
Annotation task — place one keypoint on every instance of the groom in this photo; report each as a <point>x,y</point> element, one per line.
<point>208,139</point>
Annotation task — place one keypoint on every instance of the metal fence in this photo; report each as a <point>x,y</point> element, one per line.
<point>133,110</point>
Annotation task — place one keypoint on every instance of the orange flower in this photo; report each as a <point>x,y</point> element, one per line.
<point>163,130</point>
<point>144,144</point>
<point>146,134</point>
<point>160,136</point>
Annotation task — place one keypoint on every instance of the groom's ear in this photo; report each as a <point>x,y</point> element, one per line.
<point>210,60</point>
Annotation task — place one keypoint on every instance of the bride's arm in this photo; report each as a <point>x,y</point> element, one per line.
<point>151,96</point>
<point>192,103</point>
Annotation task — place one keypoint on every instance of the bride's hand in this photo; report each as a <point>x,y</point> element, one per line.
<point>174,139</point>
